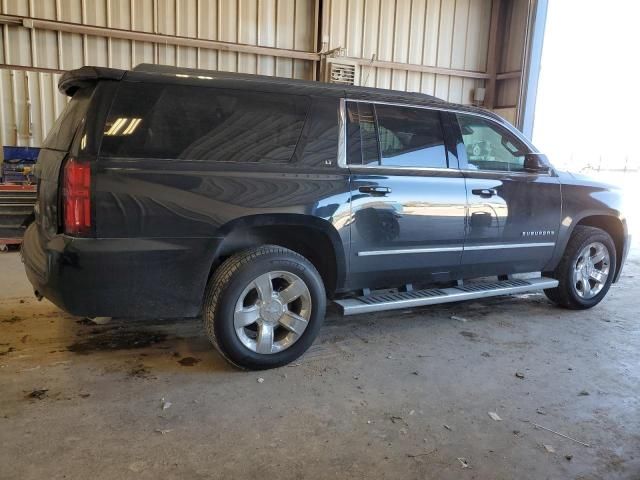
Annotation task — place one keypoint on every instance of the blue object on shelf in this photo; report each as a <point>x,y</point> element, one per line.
<point>16,160</point>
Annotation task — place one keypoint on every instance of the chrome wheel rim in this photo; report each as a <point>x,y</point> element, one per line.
<point>272,312</point>
<point>591,270</point>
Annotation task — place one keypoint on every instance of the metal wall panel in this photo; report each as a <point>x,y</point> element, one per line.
<point>29,105</point>
<point>449,34</point>
<point>29,100</point>
<point>508,91</point>
<point>440,33</point>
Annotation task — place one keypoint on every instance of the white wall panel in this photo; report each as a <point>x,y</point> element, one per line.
<point>96,49</point>
<point>208,29</point>
<point>142,21</point>
<point>304,35</point>
<point>29,105</point>
<point>416,42</point>
<point>438,33</point>
<point>508,91</point>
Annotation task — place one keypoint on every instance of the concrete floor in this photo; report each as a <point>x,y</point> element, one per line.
<point>397,395</point>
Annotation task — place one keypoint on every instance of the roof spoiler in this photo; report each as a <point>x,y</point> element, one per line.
<point>73,80</point>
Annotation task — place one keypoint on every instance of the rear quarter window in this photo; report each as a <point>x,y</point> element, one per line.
<point>203,123</point>
<point>61,134</point>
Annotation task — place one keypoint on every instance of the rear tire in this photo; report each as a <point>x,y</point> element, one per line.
<point>589,256</point>
<point>264,307</point>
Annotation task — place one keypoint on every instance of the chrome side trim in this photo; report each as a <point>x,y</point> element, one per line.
<point>342,134</point>
<point>510,245</point>
<point>357,168</point>
<point>492,173</point>
<point>409,250</point>
<point>509,173</point>
<point>368,253</point>
<point>352,306</point>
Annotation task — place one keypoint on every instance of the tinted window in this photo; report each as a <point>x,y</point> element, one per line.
<point>410,137</point>
<point>202,123</point>
<point>362,147</point>
<point>489,146</point>
<point>63,131</point>
<point>317,144</point>
<point>394,136</point>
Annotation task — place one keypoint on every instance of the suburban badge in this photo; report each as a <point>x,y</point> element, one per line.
<point>539,233</point>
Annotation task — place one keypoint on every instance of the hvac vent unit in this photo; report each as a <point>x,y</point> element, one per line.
<point>342,72</point>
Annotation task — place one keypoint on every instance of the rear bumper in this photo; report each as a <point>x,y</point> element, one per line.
<point>133,277</point>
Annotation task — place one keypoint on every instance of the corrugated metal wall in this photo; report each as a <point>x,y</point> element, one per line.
<point>447,34</point>
<point>29,100</point>
<point>514,38</point>
<point>439,33</point>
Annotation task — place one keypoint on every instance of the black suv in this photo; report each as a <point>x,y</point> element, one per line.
<point>250,200</point>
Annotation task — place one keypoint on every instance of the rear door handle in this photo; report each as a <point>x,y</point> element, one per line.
<point>375,190</point>
<point>485,192</point>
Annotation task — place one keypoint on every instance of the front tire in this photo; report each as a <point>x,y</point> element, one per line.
<point>264,307</point>
<point>585,271</point>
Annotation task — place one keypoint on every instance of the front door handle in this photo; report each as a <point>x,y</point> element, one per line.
<point>485,192</point>
<point>375,190</point>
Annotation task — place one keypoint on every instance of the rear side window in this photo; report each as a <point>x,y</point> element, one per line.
<point>61,134</point>
<point>395,136</point>
<point>203,123</point>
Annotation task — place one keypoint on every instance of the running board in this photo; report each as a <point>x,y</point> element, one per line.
<point>433,296</point>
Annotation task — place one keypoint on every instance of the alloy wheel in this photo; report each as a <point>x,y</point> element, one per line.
<point>591,270</point>
<point>272,312</point>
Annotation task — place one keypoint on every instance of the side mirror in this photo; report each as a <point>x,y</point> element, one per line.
<point>536,163</point>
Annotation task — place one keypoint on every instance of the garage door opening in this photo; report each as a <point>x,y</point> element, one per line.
<point>587,102</point>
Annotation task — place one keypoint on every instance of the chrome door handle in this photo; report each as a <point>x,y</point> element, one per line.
<point>485,192</point>
<point>375,190</point>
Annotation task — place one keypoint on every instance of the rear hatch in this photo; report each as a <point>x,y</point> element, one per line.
<point>76,131</point>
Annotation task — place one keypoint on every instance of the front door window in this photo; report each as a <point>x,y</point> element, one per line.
<point>490,147</point>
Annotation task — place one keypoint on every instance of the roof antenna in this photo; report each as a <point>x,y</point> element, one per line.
<point>373,57</point>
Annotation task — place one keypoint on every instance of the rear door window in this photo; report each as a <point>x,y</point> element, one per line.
<point>203,123</point>
<point>410,137</point>
<point>394,136</point>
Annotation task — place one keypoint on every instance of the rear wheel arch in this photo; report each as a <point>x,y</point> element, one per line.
<point>248,314</point>
<point>312,237</point>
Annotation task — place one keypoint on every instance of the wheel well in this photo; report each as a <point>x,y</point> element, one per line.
<point>611,225</point>
<point>312,243</point>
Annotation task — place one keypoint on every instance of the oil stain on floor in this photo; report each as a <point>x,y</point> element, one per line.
<point>117,340</point>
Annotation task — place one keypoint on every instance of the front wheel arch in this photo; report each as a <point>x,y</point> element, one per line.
<point>567,293</point>
<point>613,225</point>
<point>616,230</point>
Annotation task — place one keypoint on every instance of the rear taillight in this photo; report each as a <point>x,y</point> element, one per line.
<point>76,194</point>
